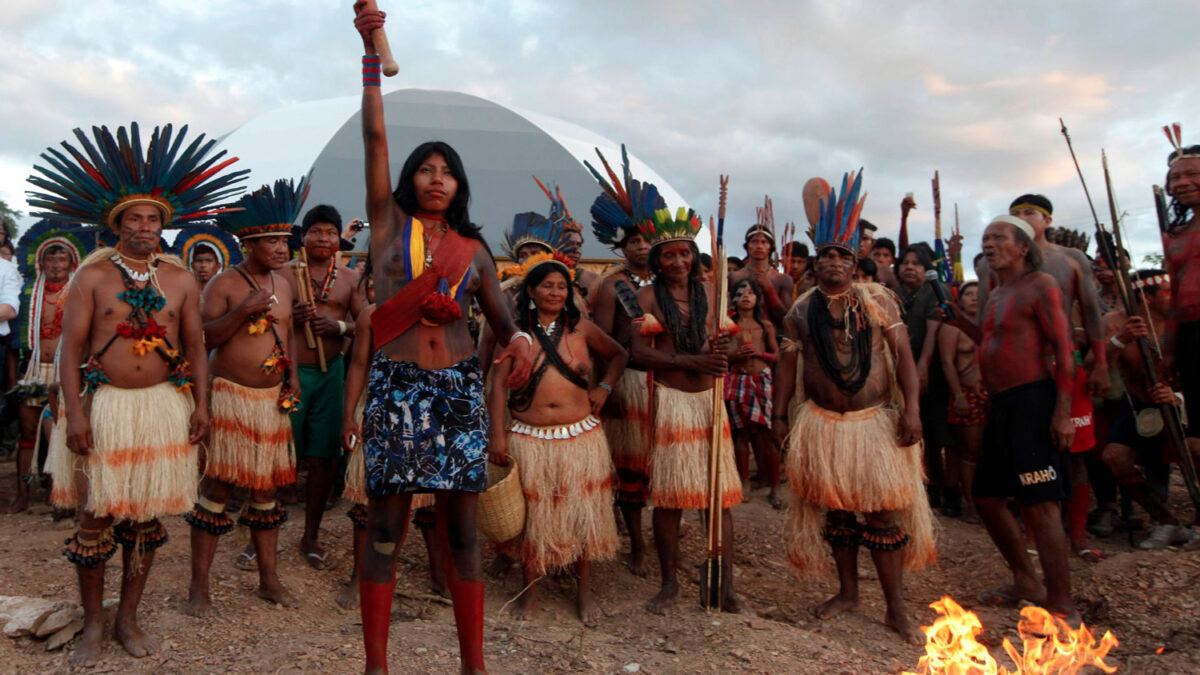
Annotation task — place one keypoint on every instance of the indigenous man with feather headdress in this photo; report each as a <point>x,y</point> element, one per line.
<point>247,315</point>
<point>760,248</point>
<point>50,257</point>
<point>134,372</point>
<point>849,387</point>
<point>627,413</point>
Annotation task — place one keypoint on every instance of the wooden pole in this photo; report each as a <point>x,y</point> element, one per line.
<point>304,288</point>
<point>713,591</point>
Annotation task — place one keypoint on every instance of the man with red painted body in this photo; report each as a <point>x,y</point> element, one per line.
<point>1029,426</point>
<point>1181,243</point>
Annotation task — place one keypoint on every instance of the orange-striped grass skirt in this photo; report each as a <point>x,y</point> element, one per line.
<point>679,464</point>
<point>629,433</point>
<point>142,466</point>
<point>251,444</point>
<point>850,462</point>
<point>567,483</point>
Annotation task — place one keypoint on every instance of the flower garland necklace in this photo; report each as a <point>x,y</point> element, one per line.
<point>148,335</point>
<point>322,290</point>
<point>277,361</point>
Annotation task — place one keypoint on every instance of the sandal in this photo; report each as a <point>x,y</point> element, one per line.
<point>246,562</point>
<point>320,562</point>
<point>1090,555</point>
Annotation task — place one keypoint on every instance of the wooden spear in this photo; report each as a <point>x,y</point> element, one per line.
<point>304,290</point>
<point>712,591</point>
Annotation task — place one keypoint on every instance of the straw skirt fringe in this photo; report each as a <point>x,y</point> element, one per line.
<point>682,441</point>
<point>629,434</point>
<point>142,466</point>
<point>568,494</point>
<point>251,443</point>
<point>356,474</point>
<point>850,462</point>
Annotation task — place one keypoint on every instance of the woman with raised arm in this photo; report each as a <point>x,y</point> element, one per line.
<point>425,425</point>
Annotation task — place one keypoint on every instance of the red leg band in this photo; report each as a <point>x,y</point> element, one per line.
<point>468,619</point>
<point>376,602</point>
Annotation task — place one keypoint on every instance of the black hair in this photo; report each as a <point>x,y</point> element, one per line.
<point>736,261</point>
<point>51,249</point>
<point>963,289</point>
<point>796,249</point>
<point>688,339</point>
<point>1179,211</point>
<point>526,315</point>
<point>758,230</point>
<point>865,225</point>
<point>321,213</point>
<point>885,243</point>
<point>922,251</point>
<point>1037,200</point>
<point>1033,259</point>
<point>706,260</point>
<point>204,248</point>
<point>757,313</point>
<point>7,243</point>
<point>456,215</point>
<point>975,260</point>
<point>869,268</point>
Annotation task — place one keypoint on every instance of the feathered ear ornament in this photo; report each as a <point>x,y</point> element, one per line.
<point>1175,138</point>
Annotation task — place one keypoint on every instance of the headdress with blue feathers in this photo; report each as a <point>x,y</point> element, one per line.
<point>192,239</point>
<point>839,216</point>
<point>534,228</point>
<point>624,206</point>
<point>559,213</point>
<point>94,186</point>
<point>267,212</point>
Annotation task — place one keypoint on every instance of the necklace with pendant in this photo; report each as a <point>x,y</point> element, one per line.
<point>549,330</point>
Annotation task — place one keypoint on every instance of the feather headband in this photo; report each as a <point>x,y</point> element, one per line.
<point>1175,137</point>
<point>267,212</point>
<point>663,228</point>
<point>534,228</point>
<point>95,185</point>
<point>192,239</point>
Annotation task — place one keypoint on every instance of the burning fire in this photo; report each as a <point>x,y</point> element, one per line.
<point>1050,646</point>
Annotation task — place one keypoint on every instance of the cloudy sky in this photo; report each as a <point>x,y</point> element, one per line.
<point>770,92</point>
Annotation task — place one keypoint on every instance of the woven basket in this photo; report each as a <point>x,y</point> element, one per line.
<point>501,510</point>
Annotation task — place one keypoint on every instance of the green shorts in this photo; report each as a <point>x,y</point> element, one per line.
<point>317,427</point>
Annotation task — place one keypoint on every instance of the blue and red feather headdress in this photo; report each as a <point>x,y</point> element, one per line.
<point>95,185</point>
<point>838,225</point>
<point>624,206</point>
<point>221,243</point>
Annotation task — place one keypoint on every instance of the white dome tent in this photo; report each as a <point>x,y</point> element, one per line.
<point>500,147</point>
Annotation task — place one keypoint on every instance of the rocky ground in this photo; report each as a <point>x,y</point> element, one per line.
<point>1150,601</point>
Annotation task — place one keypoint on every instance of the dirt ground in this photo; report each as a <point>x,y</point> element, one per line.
<point>1150,601</point>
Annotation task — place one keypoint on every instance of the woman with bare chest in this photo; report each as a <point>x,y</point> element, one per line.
<point>555,436</point>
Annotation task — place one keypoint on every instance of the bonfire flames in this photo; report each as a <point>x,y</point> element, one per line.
<point>1050,646</point>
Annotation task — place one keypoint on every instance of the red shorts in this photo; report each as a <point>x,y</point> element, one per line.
<point>977,409</point>
<point>1081,414</point>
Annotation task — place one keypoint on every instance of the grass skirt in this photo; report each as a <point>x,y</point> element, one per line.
<point>629,434</point>
<point>251,443</point>
<point>568,494</point>
<point>142,466</point>
<point>850,462</point>
<point>682,442</point>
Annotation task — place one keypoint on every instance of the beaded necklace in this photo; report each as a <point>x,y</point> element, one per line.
<point>322,290</point>
<point>53,330</point>
<point>148,335</point>
<point>277,361</point>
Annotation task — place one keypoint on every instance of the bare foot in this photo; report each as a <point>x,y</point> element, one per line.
<point>87,649</point>
<point>900,622</point>
<point>348,597</point>
<point>589,612</point>
<point>730,602</point>
<point>1069,615</point>
<point>637,563</point>
<point>499,567</point>
<point>199,604</point>
<point>776,501</point>
<point>277,595</point>
<point>19,504</point>
<point>835,605</point>
<point>665,599</point>
<point>1012,595</point>
<point>136,641</point>
<point>525,608</point>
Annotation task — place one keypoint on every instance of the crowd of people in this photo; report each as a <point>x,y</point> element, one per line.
<point>197,379</point>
